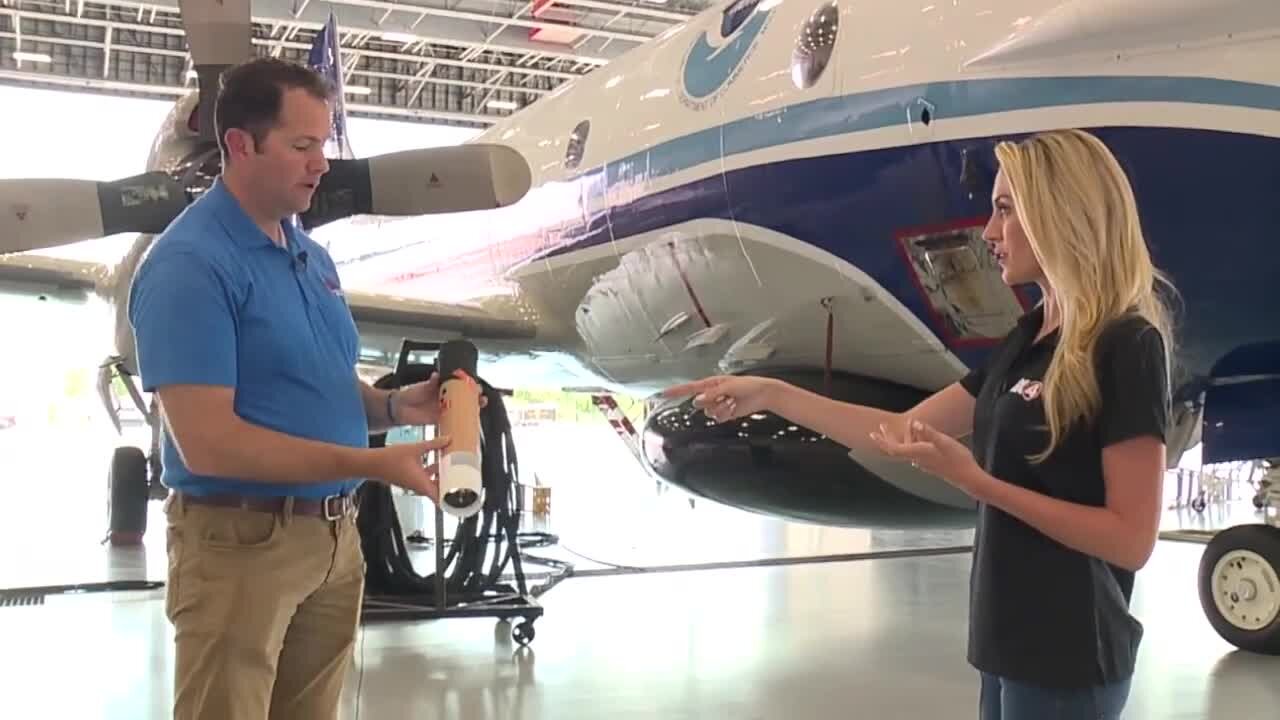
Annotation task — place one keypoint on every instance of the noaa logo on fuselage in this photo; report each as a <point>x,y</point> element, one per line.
<point>708,70</point>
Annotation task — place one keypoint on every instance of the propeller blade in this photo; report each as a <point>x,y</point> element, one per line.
<point>219,34</point>
<point>44,213</point>
<point>420,182</point>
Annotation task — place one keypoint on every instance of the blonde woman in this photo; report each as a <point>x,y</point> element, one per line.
<point>1067,422</point>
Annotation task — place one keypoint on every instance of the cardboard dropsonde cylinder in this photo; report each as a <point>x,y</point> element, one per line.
<point>461,485</point>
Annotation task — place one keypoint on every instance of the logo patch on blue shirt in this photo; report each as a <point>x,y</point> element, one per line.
<point>331,284</point>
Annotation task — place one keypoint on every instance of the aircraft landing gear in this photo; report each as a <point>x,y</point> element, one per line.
<point>135,476</point>
<point>127,492</point>
<point>1240,579</point>
<point>1268,484</point>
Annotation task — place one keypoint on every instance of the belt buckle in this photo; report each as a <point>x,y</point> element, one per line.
<point>329,513</point>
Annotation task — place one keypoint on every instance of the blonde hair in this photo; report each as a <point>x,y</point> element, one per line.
<point>1078,211</point>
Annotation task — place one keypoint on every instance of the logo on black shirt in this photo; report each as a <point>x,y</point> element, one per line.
<point>1028,389</point>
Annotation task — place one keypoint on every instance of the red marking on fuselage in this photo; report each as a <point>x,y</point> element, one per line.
<point>688,286</point>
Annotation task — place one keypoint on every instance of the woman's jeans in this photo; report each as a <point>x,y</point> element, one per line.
<point>1006,700</point>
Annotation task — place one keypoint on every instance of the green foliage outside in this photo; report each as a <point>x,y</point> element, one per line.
<point>79,392</point>
<point>576,407</point>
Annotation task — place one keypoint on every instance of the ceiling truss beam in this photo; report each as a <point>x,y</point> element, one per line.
<point>434,60</point>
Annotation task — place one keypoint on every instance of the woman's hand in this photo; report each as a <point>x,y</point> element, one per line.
<point>723,398</point>
<point>934,452</point>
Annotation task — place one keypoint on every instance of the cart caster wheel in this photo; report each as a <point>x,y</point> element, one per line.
<point>1199,504</point>
<point>1259,500</point>
<point>523,633</point>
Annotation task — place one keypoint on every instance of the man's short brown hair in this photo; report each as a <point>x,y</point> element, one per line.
<point>251,93</point>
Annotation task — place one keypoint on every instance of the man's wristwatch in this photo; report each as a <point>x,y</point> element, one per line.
<point>391,413</point>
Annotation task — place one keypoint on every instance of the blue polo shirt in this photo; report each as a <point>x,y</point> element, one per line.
<point>216,302</point>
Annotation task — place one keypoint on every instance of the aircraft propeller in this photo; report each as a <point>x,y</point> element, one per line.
<point>48,212</point>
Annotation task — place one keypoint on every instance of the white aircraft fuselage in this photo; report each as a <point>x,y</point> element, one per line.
<point>700,207</point>
<point>802,184</point>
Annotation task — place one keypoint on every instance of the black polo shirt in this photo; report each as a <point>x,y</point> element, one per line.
<point>1042,613</point>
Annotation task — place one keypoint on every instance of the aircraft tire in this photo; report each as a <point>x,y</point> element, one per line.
<point>1239,583</point>
<point>128,492</point>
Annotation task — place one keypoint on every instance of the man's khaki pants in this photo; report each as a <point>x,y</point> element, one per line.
<point>265,609</point>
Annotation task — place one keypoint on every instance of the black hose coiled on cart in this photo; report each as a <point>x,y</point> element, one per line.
<point>389,570</point>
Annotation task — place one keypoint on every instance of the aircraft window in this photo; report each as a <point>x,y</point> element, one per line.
<point>813,48</point>
<point>577,144</point>
<point>736,14</point>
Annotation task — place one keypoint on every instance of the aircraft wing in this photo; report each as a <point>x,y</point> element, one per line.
<point>68,279</point>
<point>434,318</point>
<point>41,275</point>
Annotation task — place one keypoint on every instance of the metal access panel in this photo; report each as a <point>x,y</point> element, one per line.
<point>961,283</point>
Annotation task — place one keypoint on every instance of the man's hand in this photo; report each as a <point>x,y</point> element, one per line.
<point>419,403</point>
<point>406,465</point>
<point>213,440</point>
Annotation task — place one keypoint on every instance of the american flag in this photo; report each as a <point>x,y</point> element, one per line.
<point>326,59</point>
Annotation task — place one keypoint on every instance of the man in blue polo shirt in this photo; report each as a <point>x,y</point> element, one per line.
<point>245,336</point>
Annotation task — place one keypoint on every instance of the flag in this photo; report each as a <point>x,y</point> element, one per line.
<point>326,59</point>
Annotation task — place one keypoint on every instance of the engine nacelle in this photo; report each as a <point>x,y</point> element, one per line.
<point>768,465</point>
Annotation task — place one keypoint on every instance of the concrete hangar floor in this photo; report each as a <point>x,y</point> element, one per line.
<point>872,638</point>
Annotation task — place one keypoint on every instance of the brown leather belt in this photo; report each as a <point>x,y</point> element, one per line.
<point>331,507</point>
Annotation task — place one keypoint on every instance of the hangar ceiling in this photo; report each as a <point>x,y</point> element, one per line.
<point>461,62</point>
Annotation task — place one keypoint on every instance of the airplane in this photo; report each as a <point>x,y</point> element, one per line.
<point>798,188</point>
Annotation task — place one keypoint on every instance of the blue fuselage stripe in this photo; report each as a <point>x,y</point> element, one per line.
<point>879,109</point>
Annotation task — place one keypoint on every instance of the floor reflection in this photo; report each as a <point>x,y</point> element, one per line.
<point>875,638</point>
